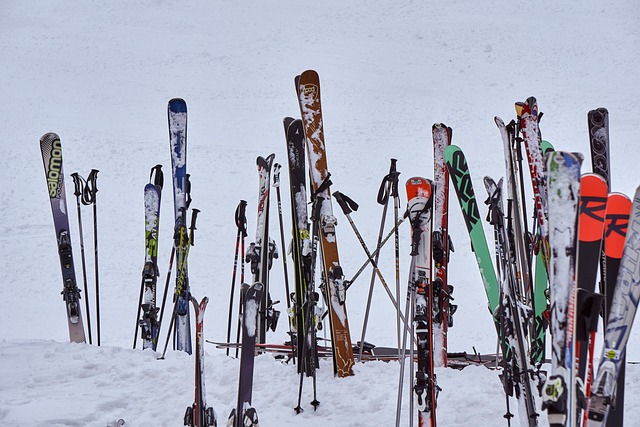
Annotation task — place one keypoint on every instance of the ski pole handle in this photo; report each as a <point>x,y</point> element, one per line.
<point>241,218</point>
<point>347,204</point>
<point>78,182</point>
<point>90,188</point>
<point>276,174</point>
<point>158,181</point>
<point>192,227</point>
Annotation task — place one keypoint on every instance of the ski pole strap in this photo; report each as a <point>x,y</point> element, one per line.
<point>394,182</point>
<point>347,204</point>
<point>383,191</point>
<point>79,184</point>
<point>241,218</point>
<point>323,186</point>
<point>156,172</point>
<point>90,188</point>
<point>192,227</point>
<point>392,179</point>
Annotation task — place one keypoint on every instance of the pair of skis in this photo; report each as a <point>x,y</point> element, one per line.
<point>148,321</point>
<point>257,312</point>
<point>420,305</point>
<point>85,192</point>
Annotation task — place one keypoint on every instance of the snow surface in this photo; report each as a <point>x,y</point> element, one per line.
<point>100,74</point>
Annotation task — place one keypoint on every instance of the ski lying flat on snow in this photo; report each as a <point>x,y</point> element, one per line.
<point>308,88</point>
<point>51,149</point>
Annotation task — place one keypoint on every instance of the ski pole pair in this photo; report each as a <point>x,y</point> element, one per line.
<point>85,192</point>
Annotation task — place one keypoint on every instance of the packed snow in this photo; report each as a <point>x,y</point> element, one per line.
<point>100,75</point>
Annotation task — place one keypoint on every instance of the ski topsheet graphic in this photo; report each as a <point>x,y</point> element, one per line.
<point>177,112</point>
<point>51,149</point>
<point>310,108</point>
<point>559,392</point>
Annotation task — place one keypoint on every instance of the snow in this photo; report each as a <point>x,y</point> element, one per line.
<point>100,75</point>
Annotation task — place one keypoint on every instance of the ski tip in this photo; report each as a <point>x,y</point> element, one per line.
<point>178,105</point>
<point>49,137</point>
<point>597,117</point>
<point>265,162</point>
<point>309,73</point>
<point>450,149</point>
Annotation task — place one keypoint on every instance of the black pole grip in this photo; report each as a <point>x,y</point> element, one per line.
<point>78,182</point>
<point>347,204</point>
<point>241,218</point>
<point>192,227</point>
<point>158,181</point>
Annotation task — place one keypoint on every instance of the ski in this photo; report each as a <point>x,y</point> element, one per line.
<point>593,202</point>
<point>149,321</point>
<point>308,90</point>
<point>622,312</point>
<point>262,251</point>
<point>540,290</point>
<point>559,395</point>
<point>420,209</point>
<point>198,414</point>
<point>301,239</point>
<point>513,313</point>
<point>461,180</point>
<point>243,414</point>
<point>598,124</point>
<point>531,135</point>
<point>442,290</point>
<point>51,149</point>
<point>177,114</point>
<point>616,225</point>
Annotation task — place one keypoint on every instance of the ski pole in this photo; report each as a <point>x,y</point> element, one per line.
<point>164,296</point>
<point>403,352</point>
<point>276,184</point>
<point>78,183</point>
<point>311,300</point>
<point>135,333</point>
<point>383,199</point>
<point>396,209</point>
<point>242,230</point>
<point>384,241</point>
<point>348,206</point>
<point>89,198</point>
